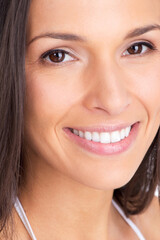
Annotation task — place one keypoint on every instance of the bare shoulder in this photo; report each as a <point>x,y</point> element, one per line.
<point>5,234</point>
<point>149,221</point>
<point>14,229</point>
<point>1,237</point>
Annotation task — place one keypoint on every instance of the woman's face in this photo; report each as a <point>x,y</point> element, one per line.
<point>92,66</point>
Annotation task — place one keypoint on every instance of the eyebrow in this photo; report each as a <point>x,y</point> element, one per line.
<point>72,37</point>
<point>61,36</point>
<point>142,30</point>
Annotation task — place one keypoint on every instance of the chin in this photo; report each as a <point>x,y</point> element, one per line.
<point>105,183</point>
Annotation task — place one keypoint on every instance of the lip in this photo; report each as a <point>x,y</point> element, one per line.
<point>109,128</point>
<point>103,148</point>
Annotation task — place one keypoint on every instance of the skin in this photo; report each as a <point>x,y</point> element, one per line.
<point>99,84</point>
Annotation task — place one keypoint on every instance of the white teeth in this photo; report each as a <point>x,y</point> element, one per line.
<point>81,134</point>
<point>115,137</point>
<point>104,137</point>
<point>88,135</point>
<point>75,132</point>
<point>95,137</point>
<point>123,133</point>
<point>128,131</point>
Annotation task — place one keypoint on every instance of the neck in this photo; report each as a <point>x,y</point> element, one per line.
<point>58,206</point>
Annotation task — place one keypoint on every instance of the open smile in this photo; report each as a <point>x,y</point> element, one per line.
<point>104,142</point>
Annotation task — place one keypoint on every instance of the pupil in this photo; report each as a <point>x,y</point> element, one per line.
<point>135,49</point>
<point>57,56</point>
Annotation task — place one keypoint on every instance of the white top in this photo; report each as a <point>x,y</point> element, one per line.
<point>129,221</point>
<point>24,218</point>
<point>27,225</point>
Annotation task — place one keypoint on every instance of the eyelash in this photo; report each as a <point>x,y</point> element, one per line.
<point>56,51</point>
<point>45,57</point>
<point>150,47</point>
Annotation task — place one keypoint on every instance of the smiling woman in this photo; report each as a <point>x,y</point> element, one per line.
<point>80,117</point>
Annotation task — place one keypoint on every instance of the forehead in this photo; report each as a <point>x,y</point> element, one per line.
<point>91,18</point>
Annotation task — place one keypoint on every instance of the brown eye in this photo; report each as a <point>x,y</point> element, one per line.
<point>57,56</point>
<point>139,49</point>
<point>136,49</point>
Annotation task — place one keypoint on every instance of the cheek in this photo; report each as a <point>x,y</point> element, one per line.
<point>150,95</point>
<point>48,99</point>
<point>145,86</point>
<point>146,89</point>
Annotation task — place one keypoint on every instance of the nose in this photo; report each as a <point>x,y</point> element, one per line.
<point>107,91</point>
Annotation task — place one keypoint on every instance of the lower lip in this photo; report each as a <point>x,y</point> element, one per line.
<point>105,148</point>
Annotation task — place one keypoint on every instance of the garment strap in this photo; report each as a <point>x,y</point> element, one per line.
<point>27,225</point>
<point>24,218</point>
<point>129,221</point>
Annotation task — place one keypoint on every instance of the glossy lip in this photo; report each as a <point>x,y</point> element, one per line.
<point>105,148</point>
<point>109,128</point>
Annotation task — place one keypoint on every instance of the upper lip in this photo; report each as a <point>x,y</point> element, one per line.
<point>104,128</point>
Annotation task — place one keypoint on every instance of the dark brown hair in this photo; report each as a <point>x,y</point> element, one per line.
<point>13,18</point>
<point>137,194</point>
<point>134,197</point>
